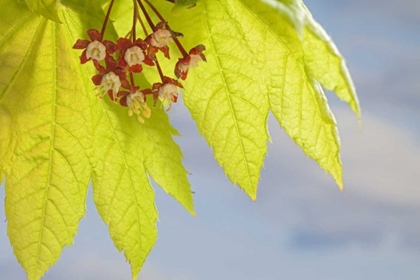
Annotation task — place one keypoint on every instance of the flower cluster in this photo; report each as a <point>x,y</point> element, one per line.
<point>117,62</point>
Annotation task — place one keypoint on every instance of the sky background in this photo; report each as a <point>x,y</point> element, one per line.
<point>301,226</point>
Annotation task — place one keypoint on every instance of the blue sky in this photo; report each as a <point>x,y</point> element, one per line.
<point>301,226</point>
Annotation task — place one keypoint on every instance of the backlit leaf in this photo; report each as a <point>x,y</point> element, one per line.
<point>164,156</point>
<point>326,64</point>
<point>46,8</point>
<point>48,171</point>
<point>55,135</point>
<point>256,63</point>
<point>56,129</point>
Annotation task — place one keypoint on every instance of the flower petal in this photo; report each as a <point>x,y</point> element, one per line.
<point>165,50</point>
<point>111,47</point>
<point>83,57</point>
<point>121,61</point>
<point>99,67</point>
<point>136,68</point>
<point>125,84</point>
<point>111,95</point>
<point>141,44</point>
<point>97,79</point>
<point>81,44</point>
<point>94,35</point>
<point>148,61</point>
<point>123,44</point>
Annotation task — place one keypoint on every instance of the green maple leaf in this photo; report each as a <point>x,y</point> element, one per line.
<point>326,64</point>
<point>46,8</point>
<point>261,58</point>
<point>56,136</point>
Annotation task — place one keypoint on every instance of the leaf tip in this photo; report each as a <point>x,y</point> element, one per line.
<point>359,120</point>
<point>191,210</point>
<point>340,186</point>
<point>253,196</point>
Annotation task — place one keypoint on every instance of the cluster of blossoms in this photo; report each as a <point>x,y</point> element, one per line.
<point>118,62</point>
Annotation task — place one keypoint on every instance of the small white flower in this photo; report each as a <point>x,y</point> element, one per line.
<point>110,81</point>
<point>96,50</point>
<point>161,38</point>
<point>168,92</point>
<point>183,67</point>
<point>134,56</point>
<point>195,58</point>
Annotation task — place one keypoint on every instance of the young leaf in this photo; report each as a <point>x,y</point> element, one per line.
<point>55,134</point>
<point>163,158</point>
<point>121,189</point>
<point>256,62</point>
<point>55,129</point>
<point>296,98</point>
<point>326,64</point>
<point>46,8</point>
<point>290,9</point>
<point>49,171</point>
<point>227,96</point>
<point>4,140</point>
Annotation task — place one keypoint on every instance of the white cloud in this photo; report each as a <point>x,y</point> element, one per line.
<point>382,161</point>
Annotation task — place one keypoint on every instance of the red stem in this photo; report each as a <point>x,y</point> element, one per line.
<point>142,25</point>
<point>160,70</point>
<point>155,10</point>
<point>132,81</point>
<point>149,20</point>
<point>134,21</point>
<point>178,44</point>
<point>180,47</point>
<point>106,19</point>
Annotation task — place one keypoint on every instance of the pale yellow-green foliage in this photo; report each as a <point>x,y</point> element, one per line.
<point>56,136</point>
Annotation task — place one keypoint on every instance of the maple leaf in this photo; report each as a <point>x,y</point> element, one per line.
<point>56,135</point>
<point>262,56</point>
<point>46,8</point>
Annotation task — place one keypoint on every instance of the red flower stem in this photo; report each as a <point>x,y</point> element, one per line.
<point>160,70</point>
<point>134,21</point>
<point>155,11</point>
<point>149,20</point>
<point>180,47</point>
<point>132,80</point>
<point>106,19</point>
<point>142,25</point>
<point>178,44</point>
